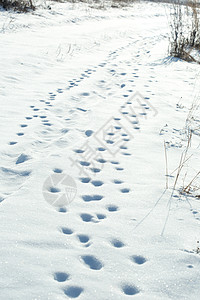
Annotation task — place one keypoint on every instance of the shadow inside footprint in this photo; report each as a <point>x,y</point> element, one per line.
<point>85,94</point>
<point>87,217</point>
<point>89,198</point>
<point>62,210</point>
<point>79,151</point>
<point>101,149</point>
<point>84,163</point>
<point>73,291</point>
<point>22,158</point>
<point>117,243</point>
<point>119,169</point>
<point>83,238</point>
<point>92,262</point>
<point>109,142</point>
<point>126,153</point>
<point>114,162</point>
<point>138,259</point>
<point>125,190</point>
<point>66,230</point>
<point>95,170</point>
<point>130,290</point>
<point>61,276</point>
<point>52,189</point>
<point>116,181</point>
<point>88,133</point>
<point>112,208</point>
<point>101,216</point>
<point>57,170</point>
<point>85,179</point>
<point>97,183</point>
<point>101,161</point>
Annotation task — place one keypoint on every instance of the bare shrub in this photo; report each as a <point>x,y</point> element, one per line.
<point>185,30</point>
<point>18,5</point>
<point>177,38</point>
<point>194,32</point>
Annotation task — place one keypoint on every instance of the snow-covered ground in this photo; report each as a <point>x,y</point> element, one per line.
<point>93,95</point>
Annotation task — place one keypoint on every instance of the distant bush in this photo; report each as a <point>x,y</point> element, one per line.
<point>185,30</point>
<point>19,5</point>
<point>101,4</point>
<point>194,34</point>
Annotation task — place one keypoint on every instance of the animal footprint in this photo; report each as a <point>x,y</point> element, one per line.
<point>62,210</point>
<point>47,124</point>
<point>101,149</point>
<point>61,276</point>
<point>125,190</point>
<point>12,143</point>
<point>85,94</point>
<point>101,216</point>
<point>112,208</point>
<point>119,169</point>
<point>97,183</point>
<point>87,218</point>
<point>123,147</point>
<point>109,142</point>
<point>79,151</point>
<point>130,290</point>
<point>114,162</point>
<point>101,161</point>
<point>73,291</point>
<point>117,243</point>
<point>85,179</point>
<point>116,181</point>
<point>126,153</point>
<point>89,198</point>
<point>88,133</point>
<point>57,170</point>
<point>138,259</point>
<point>22,158</point>
<point>84,163</point>
<point>83,238</point>
<point>66,230</point>
<point>92,262</point>
<point>95,170</point>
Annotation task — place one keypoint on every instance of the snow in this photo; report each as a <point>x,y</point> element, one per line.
<point>73,79</point>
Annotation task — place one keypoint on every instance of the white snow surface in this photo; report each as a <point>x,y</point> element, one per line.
<point>86,90</point>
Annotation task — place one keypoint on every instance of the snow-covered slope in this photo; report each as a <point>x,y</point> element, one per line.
<point>92,94</point>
